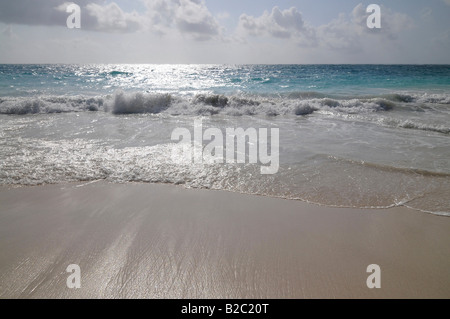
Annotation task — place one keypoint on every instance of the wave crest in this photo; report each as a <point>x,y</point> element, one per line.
<point>297,104</point>
<point>138,103</point>
<point>49,104</point>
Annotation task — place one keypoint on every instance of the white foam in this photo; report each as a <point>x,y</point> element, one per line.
<point>123,103</point>
<point>211,104</point>
<point>49,104</point>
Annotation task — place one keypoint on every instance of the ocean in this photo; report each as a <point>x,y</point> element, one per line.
<point>365,136</point>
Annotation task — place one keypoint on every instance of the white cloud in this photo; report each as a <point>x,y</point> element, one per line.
<point>393,23</point>
<point>189,17</point>
<point>106,17</point>
<point>277,23</point>
<point>339,34</point>
<point>350,32</point>
<point>111,18</point>
<point>347,32</point>
<point>192,16</point>
<point>160,14</point>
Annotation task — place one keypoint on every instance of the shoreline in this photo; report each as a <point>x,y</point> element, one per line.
<point>303,201</point>
<point>164,241</point>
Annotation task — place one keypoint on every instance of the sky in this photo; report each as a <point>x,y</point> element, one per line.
<point>225,32</point>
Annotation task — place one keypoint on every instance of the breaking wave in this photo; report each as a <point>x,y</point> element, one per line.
<point>297,103</point>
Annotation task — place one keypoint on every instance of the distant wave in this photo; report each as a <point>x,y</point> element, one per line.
<point>116,73</point>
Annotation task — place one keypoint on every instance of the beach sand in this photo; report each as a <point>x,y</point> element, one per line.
<point>163,241</point>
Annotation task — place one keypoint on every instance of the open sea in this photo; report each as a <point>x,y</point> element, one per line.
<point>366,136</point>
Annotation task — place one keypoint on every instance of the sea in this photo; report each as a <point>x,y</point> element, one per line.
<point>363,136</point>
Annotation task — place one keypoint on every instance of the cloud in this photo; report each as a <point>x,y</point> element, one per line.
<point>392,23</point>
<point>193,20</point>
<point>159,13</point>
<point>95,14</point>
<point>111,18</point>
<point>106,17</point>
<point>339,34</point>
<point>31,12</point>
<point>189,17</point>
<point>193,17</point>
<point>447,2</point>
<point>348,32</point>
<point>279,24</point>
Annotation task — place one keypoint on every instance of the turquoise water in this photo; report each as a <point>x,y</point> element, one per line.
<point>350,135</point>
<point>27,80</point>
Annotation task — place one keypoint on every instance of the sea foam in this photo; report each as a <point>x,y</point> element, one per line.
<point>301,103</point>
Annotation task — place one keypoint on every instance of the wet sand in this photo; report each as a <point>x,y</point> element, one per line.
<point>162,241</point>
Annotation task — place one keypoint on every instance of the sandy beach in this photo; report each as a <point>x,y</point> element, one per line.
<point>162,241</point>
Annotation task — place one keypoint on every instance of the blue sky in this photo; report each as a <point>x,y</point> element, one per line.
<point>233,31</point>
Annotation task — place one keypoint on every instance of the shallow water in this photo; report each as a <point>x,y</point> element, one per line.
<point>357,136</point>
